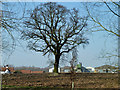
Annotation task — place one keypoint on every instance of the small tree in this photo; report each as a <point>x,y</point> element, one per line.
<point>54,28</point>
<point>73,63</point>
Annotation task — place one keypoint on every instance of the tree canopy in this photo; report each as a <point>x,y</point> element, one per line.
<point>54,28</point>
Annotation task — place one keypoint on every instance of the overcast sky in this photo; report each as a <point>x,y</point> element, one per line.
<point>98,42</point>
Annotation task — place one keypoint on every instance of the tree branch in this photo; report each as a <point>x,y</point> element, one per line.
<point>112,10</point>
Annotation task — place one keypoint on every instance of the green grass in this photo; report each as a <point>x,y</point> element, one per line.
<point>8,87</point>
<point>20,87</point>
<point>27,87</point>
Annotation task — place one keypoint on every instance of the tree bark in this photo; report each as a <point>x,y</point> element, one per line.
<point>56,65</point>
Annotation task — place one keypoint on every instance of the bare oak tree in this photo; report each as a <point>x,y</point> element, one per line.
<point>54,28</point>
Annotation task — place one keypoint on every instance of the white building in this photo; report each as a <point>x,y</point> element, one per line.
<point>51,70</point>
<point>91,69</point>
<point>2,72</point>
<point>7,71</point>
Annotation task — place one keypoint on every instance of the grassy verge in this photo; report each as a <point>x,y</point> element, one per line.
<point>8,87</point>
<point>4,87</point>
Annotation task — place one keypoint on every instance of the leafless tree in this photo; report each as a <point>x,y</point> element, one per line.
<point>111,8</point>
<point>54,28</point>
<point>73,63</point>
<point>10,16</point>
<point>10,20</point>
<point>107,20</point>
<point>7,23</point>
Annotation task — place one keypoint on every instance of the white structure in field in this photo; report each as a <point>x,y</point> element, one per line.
<point>51,70</point>
<point>7,71</point>
<point>2,72</point>
<point>91,69</point>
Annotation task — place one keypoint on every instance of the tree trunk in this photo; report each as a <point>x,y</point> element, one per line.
<point>56,65</point>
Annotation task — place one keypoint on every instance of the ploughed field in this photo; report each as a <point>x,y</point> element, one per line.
<point>81,80</point>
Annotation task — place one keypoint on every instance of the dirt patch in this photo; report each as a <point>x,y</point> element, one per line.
<point>82,80</point>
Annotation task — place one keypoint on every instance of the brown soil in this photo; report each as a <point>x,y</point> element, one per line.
<point>82,80</point>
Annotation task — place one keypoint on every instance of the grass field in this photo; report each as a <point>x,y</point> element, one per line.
<point>46,80</point>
